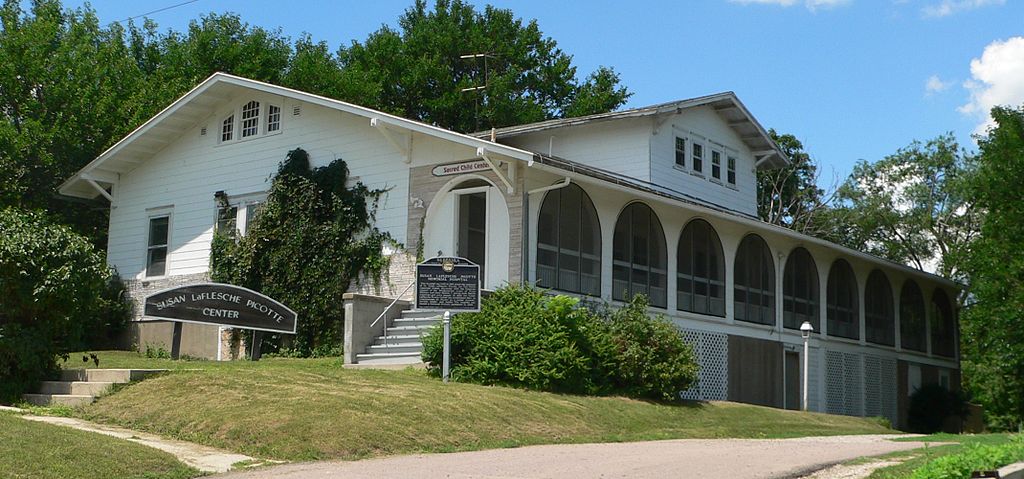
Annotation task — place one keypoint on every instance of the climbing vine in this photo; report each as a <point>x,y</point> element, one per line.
<point>304,247</point>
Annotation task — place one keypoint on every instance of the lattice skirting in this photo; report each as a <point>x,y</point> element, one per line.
<point>712,352</point>
<point>880,396</point>
<point>844,383</point>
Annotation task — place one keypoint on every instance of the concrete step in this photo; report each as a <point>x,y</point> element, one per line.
<point>407,330</point>
<point>414,322</point>
<point>107,375</point>
<point>398,339</point>
<point>415,313</point>
<point>388,358</point>
<point>76,388</point>
<point>53,399</point>
<point>395,348</point>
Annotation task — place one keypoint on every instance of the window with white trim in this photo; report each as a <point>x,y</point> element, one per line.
<point>680,151</point>
<point>236,218</point>
<point>273,118</point>
<point>251,119</point>
<point>227,128</point>
<point>697,156</point>
<point>156,250</point>
<point>716,164</point>
<point>731,170</point>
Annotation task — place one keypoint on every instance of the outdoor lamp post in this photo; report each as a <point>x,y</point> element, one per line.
<point>805,331</point>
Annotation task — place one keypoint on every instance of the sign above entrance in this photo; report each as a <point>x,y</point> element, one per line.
<point>460,168</point>
<point>220,304</point>
<point>448,284</point>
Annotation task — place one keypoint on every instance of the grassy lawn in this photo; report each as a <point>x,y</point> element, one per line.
<point>918,457</point>
<point>42,451</point>
<point>305,409</point>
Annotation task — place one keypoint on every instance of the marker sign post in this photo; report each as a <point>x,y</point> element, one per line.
<point>222,305</point>
<point>447,284</point>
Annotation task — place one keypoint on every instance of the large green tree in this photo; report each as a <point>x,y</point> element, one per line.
<point>418,71</point>
<point>911,207</point>
<point>993,323</point>
<point>790,196</point>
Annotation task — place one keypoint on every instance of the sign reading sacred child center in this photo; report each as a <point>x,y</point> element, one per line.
<point>220,304</point>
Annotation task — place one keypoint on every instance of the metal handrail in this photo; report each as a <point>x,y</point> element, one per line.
<point>383,313</point>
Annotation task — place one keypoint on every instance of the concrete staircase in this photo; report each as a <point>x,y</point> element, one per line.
<point>402,341</point>
<point>77,387</point>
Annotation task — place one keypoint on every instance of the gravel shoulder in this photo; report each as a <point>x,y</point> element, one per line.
<point>691,458</point>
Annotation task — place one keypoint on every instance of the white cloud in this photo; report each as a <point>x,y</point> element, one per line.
<point>995,80</point>
<point>812,5</point>
<point>934,85</point>
<point>949,7</point>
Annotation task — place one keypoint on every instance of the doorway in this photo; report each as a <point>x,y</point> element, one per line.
<point>471,236</point>
<point>792,380</point>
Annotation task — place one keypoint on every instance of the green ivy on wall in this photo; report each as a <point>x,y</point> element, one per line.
<point>305,246</point>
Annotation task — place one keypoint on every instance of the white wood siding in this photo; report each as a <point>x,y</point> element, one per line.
<point>703,121</point>
<point>188,172</point>
<point>620,146</point>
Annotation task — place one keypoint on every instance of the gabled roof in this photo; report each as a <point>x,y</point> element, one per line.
<point>726,104</point>
<point>196,105</point>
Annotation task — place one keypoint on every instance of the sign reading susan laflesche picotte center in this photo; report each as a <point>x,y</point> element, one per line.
<point>220,304</point>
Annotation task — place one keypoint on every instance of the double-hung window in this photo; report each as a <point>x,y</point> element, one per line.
<point>237,217</point>
<point>731,170</point>
<point>697,156</point>
<point>716,165</point>
<point>680,152</point>
<point>156,251</point>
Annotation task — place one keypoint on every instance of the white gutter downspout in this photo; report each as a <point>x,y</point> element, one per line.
<point>96,185</point>
<point>526,224</point>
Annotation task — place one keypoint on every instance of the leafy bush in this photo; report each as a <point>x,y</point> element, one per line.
<point>975,457</point>
<point>930,405</point>
<point>311,238</point>
<point>523,337</point>
<point>653,361</point>
<point>52,282</point>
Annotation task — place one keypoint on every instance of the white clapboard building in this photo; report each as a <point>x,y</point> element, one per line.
<point>658,200</point>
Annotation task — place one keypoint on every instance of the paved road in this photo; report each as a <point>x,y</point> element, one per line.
<point>687,458</point>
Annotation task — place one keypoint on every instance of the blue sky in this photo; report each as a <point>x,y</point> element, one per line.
<point>853,79</point>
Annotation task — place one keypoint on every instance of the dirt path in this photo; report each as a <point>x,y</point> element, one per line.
<point>206,459</point>
<point>689,458</point>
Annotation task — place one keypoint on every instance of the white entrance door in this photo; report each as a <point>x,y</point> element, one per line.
<point>471,222</point>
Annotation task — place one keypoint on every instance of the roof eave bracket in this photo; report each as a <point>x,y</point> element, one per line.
<point>481,153</point>
<point>99,188</point>
<point>403,144</point>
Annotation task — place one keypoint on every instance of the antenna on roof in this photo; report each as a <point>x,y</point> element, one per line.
<point>481,88</point>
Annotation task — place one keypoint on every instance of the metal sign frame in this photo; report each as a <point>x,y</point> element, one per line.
<point>455,263</point>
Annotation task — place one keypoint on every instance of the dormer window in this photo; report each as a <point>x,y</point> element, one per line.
<point>731,172</point>
<point>697,157</point>
<point>251,119</point>
<point>681,152</point>
<point>716,165</point>
<point>251,122</point>
<point>227,128</point>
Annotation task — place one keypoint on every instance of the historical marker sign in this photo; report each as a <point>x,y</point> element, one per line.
<point>448,284</point>
<point>220,304</point>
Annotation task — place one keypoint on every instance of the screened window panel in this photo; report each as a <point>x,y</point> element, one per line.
<point>800,290</point>
<point>569,242</point>
<point>912,318</point>
<point>841,305</point>
<point>943,324</point>
<point>754,292</point>
<point>639,256</point>
<point>700,271</point>
<point>879,315</point>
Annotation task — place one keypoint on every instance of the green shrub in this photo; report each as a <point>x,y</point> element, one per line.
<point>975,457</point>
<point>51,284</point>
<point>525,338</point>
<point>930,405</point>
<point>653,361</point>
<point>522,337</point>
